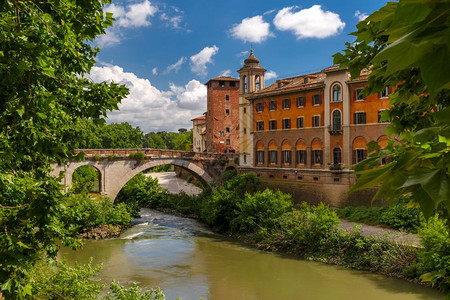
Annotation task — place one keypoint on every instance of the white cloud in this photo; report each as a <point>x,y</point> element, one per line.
<point>270,75</point>
<point>155,71</point>
<point>173,22</point>
<point>134,15</point>
<point>199,60</point>
<point>311,22</point>
<point>253,30</point>
<point>150,108</point>
<point>225,73</point>
<point>176,66</point>
<point>360,15</point>
<point>110,38</point>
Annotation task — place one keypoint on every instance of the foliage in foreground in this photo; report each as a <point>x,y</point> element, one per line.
<point>73,283</point>
<point>45,52</point>
<point>405,45</point>
<point>398,216</point>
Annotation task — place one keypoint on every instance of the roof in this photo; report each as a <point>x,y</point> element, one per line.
<point>199,118</point>
<point>292,84</point>
<point>223,78</point>
<point>251,59</point>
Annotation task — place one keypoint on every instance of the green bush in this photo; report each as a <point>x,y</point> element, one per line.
<point>64,282</point>
<point>398,216</point>
<point>138,156</point>
<point>119,292</point>
<point>83,213</point>
<point>434,258</point>
<point>261,210</point>
<point>143,190</point>
<point>220,207</point>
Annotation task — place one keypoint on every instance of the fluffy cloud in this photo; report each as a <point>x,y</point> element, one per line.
<point>253,30</point>
<point>198,61</point>
<point>134,15</point>
<point>176,66</point>
<point>155,71</point>
<point>270,75</point>
<point>360,15</point>
<point>110,38</point>
<point>312,22</point>
<point>150,108</point>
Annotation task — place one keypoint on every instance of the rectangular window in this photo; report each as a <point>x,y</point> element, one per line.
<point>227,142</point>
<point>359,95</point>
<point>221,134</point>
<point>227,97</point>
<point>300,101</point>
<point>259,157</point>
<point>259,126</point>
<point>245,110</point>
<point>259,107</point>
<point>273,156</point>
<point>245,129</point>
<point>286,156</point>
<point>385,93</point>
<point>300,122</point>
<point>227,129</point>
<point>316,99</point>
<point>316,157</point>
<point>286,123</point>
<point>286,103</point>
<point>273,125</point>
<point>227,112</point>
<point>359,118</point>
<point>359,155</point>
<point>273,105</point>
<point>301,157</point>
<point>315,121</point>
<point>222,83</point>
<point>232,83</point>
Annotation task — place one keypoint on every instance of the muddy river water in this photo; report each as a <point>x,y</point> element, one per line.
<point>186,260</point>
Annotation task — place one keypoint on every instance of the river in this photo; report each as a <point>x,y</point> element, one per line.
<point>187,260</point>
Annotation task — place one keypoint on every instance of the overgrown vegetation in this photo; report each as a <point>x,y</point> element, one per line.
<point>64,282</point>
<point>398,216</point>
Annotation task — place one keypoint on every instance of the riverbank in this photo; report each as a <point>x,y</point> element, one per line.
<point>103,232</point>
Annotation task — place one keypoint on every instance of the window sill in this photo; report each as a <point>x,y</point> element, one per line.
<point>339,101</point>
<point>316,104</point>
<point>359,100</point>
<point>301,106</point>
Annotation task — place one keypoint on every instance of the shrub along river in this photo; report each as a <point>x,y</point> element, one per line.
<point>187,260</point>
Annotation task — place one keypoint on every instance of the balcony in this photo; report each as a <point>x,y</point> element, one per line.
<point>334,130</point>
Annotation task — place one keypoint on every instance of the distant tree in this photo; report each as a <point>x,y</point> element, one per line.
<point>153,140</point>
<point>182,130</point>
<point>406,45</point>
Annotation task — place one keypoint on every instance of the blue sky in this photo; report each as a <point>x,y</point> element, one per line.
<point>164,51</point>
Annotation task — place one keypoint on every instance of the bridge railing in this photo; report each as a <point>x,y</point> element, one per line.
<point>149,152</point>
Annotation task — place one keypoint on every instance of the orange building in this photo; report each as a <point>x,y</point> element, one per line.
<point>316,121</point>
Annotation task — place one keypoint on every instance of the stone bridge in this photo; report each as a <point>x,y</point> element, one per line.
<point>117,166</point>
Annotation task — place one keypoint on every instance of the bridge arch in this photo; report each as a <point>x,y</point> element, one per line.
<point>136,168</point>
<point>68,178</point>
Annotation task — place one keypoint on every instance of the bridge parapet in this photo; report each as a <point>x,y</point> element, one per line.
<point>157,153</point>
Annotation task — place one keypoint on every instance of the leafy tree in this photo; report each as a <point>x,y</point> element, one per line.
<point>182,130</point>
<point>406,45</point>
<point>153,140</point>
<point>45,51</point>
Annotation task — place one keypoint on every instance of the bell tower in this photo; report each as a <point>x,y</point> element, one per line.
<point>251,77</point>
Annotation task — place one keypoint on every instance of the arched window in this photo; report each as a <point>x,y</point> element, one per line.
<point>257,83</point>
<point>245,83</point>
<point>336,93</point>
<point>337,156</point>
<point>337,120</point>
